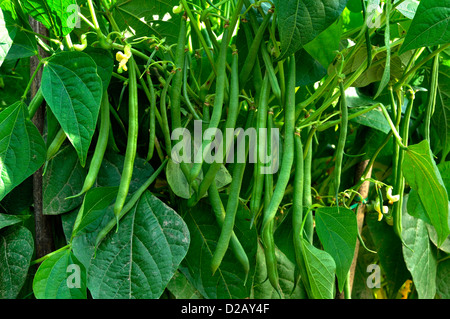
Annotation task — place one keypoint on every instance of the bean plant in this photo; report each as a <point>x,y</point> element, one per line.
<point>118,179</point>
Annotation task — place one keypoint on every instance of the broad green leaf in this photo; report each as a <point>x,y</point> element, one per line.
<point>389,252</point>
<point>8,220</point>
<point>443,280</point>
<point>64,177</point>
<point>323,48</point>
<point>24,46</point>
<point>321,268</point>
<point>441,116</point>
<point>95,202</point>
<point>337,231</point>
<point>180,186</point>
<point>291,288</point>
<point>429,26</point>
<point>147,18</point>
<point>22,149</point>
<point>300,21</point>
<point>181,288</point>
<point>308,70</point>
<point>60,276</point>
<point>112,166</point>
<point>7,29</point>
<point>408,8</point>
<point>58,15</point>
<point>139,260</point>
<point>73,91</point>
<point>105,63</point>
<point>16,251</point>
<point>421,173</point>
<point>419,257</point>
<point>228,280</point>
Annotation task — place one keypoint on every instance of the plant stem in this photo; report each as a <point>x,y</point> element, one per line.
<point>43,258</point>
<point>432,97</point>
<point>33,76</point>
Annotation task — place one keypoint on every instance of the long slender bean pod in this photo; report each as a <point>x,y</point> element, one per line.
<point>397,214</point>
<point>288,156</point>
<point>253,50</point>
<point>130,152</point>
<point>152,116</point>
<point>175,91</point>
<point>261,123</point>
<point>236,246</point>
<point>100,147</point>
<point>341,142</point>
<point>307,197</point>
<point>218,103</point>
<point>233,112</point>
<point>231,208</point>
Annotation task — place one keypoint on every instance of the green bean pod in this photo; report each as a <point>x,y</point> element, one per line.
<point>152,117</point>
<point>100,147</point>
<point>175,91</point>
<point>231,208</point>
<point>288,148</point>
<point>236,246</point>
<point>271,72</point>
<point>233,112</point>
<point>258,177</point>
<point>341,141</point>
<point>253,50</point>
<point>218,103</point>
<point>130,152</point>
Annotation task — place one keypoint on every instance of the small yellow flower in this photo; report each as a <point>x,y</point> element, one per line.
<point>392,198</point>
<point>123,58</point>
<point>405,289</point>
<point>377,207</point>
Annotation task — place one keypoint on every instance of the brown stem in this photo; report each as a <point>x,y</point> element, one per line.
<point>43,223</point>
<point>364,191</point>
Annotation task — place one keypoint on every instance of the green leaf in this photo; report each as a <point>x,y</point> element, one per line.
<point>299,22</point>
<point>228,280</point>
<point>337,230</point>
<point>429,26</point>
<point>112,165</point>
<point>419,257</point>
<point>16,250</point>
<point>180,186</point>
<point>389,252</point>
<point>323,47</point>
<point>441,116</point>
<point>308,70</point>
<point>22,149</point>
<point>408,8</point>
<point>181,288</point>
<point>7,29</point>
<point>9,220</point>
<point>139,260</point>
<point>421,173</point>
<point>443,280</point>
<point>57,15</point>
<point>64,177</point>
<point>60,276</point>
<point>95,202</point>
<point>143,18</point>
<point>73,91</point>
<point>291,287</point>
<point>105,63</point>
<point>320,268</point>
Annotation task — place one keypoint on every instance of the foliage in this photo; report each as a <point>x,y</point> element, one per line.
<point>358,90</point>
